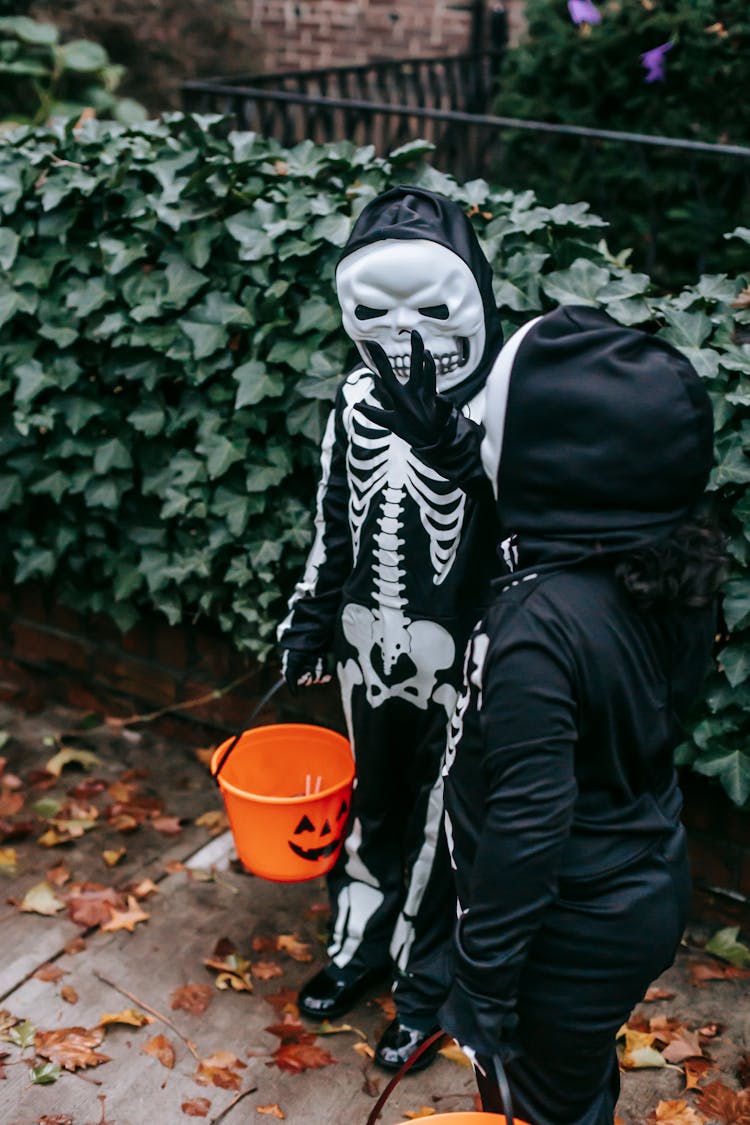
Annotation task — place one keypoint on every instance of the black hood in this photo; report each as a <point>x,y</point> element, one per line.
<point>607,442</point>
<point>413,212</point>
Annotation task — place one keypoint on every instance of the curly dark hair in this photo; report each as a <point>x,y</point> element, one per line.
<point>685,570</point>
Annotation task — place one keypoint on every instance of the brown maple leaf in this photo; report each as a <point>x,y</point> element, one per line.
<point>727,1106</point>
<point>130,1016</point>
<point>674,1112</point>
<point>58,875</point>
<point>193,998</point>
<point>71,1047</point>
<point>160,1048</point>
<point>126,919</point>
<point>290,1030</point>
<point>196,1107</point>
<point>220,1069</point>
<point>694,1069</point>
<point>261,944</point>
<point>91,904</point>
<point>684,1044</point>
<point>285,1000</point>
<point>271,1111</point>
<point>68,994</point>
<point>299,1056</point>
<point>233,970</point>
<point>56,1119</point>
<point>299,950</point>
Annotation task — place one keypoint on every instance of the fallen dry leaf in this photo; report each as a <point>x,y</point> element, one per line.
<point>656,993</point>
<point>387,1005</point>
<point>266,970</point>
<point>142,889</point>
<point>299,950</point>
<point>91,904</point>
<point>126,919</point>
<point>694,1069</point>
<point>701,972</point>
<point>215,821</point>
<point>160,1048</point>
<point>56,1119</point>
<point>41,899</point>
<point>58,875</point>
<point>167,825</point>
<point>743,1070</point>
<point>423,1111</point>
<point>70,755</point>
<point>271,1111</point>
<point>296,1057</point>
<point>112,856</point>
<point>220,1069</point>
<point>454,1053</point>
<point>364,1049</point>
<point>129,1016</point>
<point>8,861</point>
<point>674,1112</point>
<point>285,1000</point>
<point>71,1047</point>
<point>196,1107</point>
<point>75,945</point>
<point>10,802</point>
<point>729,1107</point>
<point>68,994</point>
<point>233,970</point>
<point>684,1045</point>
<point>48,973</point>
<point>326,1028</point>
<point>192,998</point>
<point>290,1030</point>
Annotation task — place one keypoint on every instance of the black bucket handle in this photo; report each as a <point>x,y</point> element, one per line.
<point>266,698</point>
<point>503,1087</point>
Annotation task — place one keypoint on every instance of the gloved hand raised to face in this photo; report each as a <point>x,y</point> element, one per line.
<point>304,669</point>
<point>414,410</point>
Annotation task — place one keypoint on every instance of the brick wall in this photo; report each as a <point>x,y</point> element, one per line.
<point>48,652</point>
<point>297,34</point>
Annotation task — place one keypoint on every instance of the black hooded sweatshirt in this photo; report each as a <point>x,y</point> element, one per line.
<point>447,556</point>
<point>560,768</point>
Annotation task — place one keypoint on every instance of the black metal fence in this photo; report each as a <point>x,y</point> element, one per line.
<point>444,101</point>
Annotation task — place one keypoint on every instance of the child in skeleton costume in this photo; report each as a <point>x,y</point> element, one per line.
<point>562,803</point>
<point>397,576</point>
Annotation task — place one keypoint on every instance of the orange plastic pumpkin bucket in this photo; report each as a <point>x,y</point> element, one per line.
<point>287,790</point>
<point>472,1118</point>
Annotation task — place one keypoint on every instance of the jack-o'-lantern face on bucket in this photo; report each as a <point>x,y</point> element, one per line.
<point>313,843</point>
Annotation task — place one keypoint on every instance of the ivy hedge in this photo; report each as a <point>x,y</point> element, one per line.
<point>171,344</point>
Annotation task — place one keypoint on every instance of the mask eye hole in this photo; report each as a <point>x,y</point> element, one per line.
<point>364,312</point>
<point>437,312</point>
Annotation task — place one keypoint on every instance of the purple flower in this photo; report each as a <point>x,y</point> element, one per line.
<point>653,61</point>
<point>583,11</point>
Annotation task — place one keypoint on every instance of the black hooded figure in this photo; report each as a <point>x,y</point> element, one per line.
<point>562,803</point>
<point>397,577</point>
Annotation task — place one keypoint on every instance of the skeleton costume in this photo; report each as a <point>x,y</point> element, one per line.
<point>562,804</point>
<point>398,574</point>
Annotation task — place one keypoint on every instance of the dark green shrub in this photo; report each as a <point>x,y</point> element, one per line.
<point>670,206</point>
<point>171,344</point>
<point>41,78</point>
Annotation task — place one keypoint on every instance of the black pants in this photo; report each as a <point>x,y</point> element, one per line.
<point>391,891</point>
<point>601,945</point>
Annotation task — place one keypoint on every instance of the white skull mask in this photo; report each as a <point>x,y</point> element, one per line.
<point>389,288</point>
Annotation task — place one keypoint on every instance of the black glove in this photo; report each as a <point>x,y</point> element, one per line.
<point>304,669</point>
<point>414,410</point>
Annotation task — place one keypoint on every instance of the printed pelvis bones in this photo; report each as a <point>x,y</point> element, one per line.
<point>390,288</point>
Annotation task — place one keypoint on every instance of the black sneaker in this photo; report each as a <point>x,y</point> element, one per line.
<point>399,1042</point>
<point>329,995</point>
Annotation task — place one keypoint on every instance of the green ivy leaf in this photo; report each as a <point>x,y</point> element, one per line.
<point>732,768</point>
<point>43,1074</point>
<point>254,384</point>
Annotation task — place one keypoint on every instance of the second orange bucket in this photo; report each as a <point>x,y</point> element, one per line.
<point>287,790</point>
